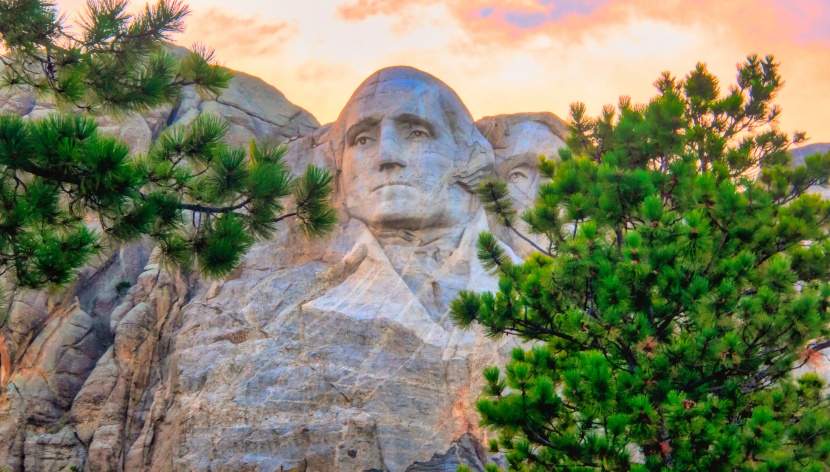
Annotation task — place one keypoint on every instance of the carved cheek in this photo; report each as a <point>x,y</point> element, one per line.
<point>438,155</point>
<point>357,159</point>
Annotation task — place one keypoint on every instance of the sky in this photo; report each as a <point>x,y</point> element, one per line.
<point>511,56</point>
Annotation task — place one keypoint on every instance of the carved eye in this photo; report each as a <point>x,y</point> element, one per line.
<point>418,134</point>
<point>362,140</point>
<point>517,176</point>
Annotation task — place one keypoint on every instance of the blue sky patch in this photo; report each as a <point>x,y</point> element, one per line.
<point>526,20</point>
<point>560,8</point>
<point>556,10</point>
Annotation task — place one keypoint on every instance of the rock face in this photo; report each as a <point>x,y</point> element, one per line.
<point>819,365</point>
<point>254,110</point>
<point>49,344</point>
<point>798,159</point>
<point>518,141</point>
<point>329,355</point>
<point>815,148</point>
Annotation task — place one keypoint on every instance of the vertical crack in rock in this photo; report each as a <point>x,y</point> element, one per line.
<point>173,116</point>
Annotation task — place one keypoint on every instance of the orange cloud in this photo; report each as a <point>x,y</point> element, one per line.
<point>247,36</point>
<point>622,45</point>
<point>508,56</point>
<point>516,20</point>
<point>361,9</point>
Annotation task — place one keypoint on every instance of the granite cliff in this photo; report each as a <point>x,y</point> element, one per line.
<point>329,355</point>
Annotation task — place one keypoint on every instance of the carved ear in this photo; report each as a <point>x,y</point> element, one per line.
<point>475,164</point>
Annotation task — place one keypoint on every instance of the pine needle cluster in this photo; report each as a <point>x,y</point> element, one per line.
<point>686,278</point>
<point>110,62</point>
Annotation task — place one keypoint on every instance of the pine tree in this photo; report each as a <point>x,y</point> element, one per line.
<point>203,202</point>
<point>686,277</point>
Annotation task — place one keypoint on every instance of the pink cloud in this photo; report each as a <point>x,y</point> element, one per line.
<point>813,16</point>
<point>516,20</point>
<point>626,37</point>
<point>506,56</point>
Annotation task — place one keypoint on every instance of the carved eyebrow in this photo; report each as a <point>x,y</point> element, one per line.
<point>410,119</point>
<point>363,125</point>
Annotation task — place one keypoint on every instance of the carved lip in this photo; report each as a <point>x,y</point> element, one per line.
<point>390,184</point>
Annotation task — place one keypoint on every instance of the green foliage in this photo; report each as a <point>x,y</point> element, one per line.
<point>59,172</point>
<point>203,202</point>
<point>687,277</point>
<point>124,285</point>
<point>311,194</point>
<point>116,62</point>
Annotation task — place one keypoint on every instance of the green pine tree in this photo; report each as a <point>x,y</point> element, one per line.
<point>203,202</point>
<point>686,277</point>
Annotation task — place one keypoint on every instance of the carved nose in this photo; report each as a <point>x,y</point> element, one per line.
<point>390,152</point>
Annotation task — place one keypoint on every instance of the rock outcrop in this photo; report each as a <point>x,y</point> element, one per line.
<point>815,148</point>
<point>324,355</point>
<point>328,355</point>
<point>798,159</point>
<point>253,109</point>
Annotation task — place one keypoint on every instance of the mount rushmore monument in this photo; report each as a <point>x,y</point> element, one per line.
<point>326,355</point>
<point>335,354</point>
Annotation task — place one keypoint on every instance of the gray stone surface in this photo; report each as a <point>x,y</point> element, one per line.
<point>819,363</point>
<point>49,344</point>
<point>332,355</point>
<point>815,148</point>
<point>798,159</point>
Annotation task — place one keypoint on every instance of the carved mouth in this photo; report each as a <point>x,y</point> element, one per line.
<point>391,184</point>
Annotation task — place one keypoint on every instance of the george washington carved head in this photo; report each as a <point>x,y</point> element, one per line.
<point>409,153</point>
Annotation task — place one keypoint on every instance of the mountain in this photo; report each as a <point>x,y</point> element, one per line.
<point>332,355</point>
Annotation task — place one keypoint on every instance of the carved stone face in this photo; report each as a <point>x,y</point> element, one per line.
<point>517,163</point>
<point>522,177</point>
<point>399,157</point>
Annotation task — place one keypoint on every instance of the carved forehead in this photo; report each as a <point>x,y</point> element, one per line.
<point>395,98</point>
<point>406,90</point>
<point>405,77</point>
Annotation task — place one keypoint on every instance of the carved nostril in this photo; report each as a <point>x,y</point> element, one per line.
<point>390,165</point>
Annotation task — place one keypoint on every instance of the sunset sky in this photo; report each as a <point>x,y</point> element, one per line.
<point>508,56</point>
